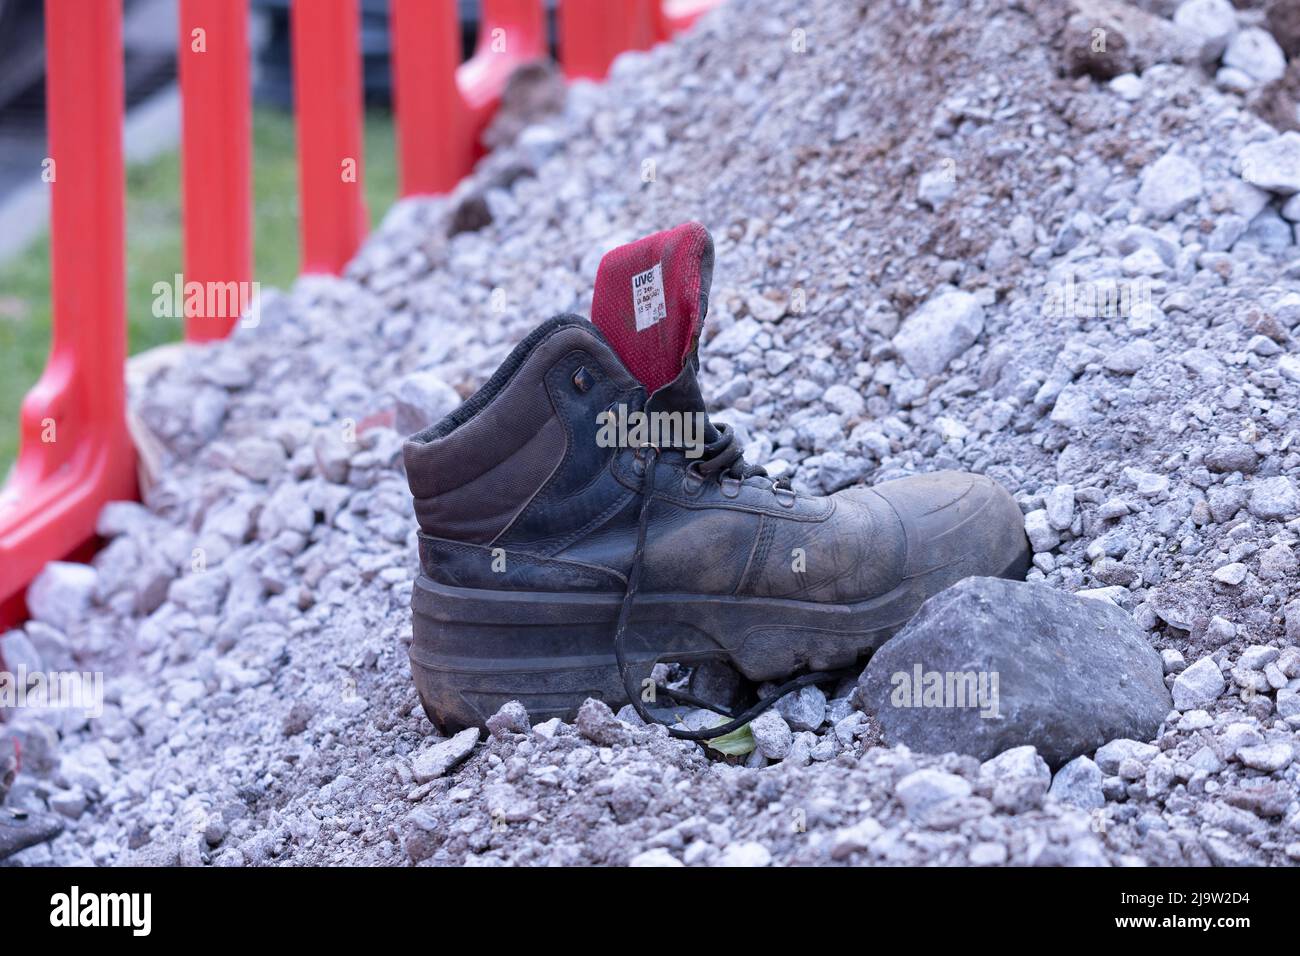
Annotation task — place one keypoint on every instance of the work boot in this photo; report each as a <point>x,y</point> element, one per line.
<point>581,519</point>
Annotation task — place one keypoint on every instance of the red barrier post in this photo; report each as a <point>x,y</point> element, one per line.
<point>593,32</point>
<point>511,33</point>
<point>75,451</point>
<point>327,97</point>
<point>434,147</point>
<point>216,145</point>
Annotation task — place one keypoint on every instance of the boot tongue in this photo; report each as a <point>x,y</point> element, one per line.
<point>651,298</point>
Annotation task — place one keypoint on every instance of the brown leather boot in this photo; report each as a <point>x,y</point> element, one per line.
<point>581,519</point>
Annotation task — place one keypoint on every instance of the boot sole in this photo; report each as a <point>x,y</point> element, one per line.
<point>474,650</point>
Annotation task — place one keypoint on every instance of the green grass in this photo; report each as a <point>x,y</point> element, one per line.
<point>153,251</point>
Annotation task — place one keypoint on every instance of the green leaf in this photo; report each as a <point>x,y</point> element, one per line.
<point>735,744</point>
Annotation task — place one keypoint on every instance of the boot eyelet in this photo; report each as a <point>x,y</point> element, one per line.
<point>730,487</point>
<point>583,380</point>
<point>785,497</point>
<point>638,462</point>
<point>692,480</point>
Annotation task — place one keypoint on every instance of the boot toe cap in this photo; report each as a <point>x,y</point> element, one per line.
<point>958,525</point>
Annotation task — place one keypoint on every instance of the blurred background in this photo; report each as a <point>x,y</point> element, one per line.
<point>152,133</point>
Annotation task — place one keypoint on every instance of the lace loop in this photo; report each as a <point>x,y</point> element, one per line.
<point>724,455</point>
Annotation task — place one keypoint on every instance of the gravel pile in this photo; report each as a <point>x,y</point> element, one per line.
<point>949,235</point>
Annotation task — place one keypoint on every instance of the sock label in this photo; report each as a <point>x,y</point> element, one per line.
<point>648,299</point>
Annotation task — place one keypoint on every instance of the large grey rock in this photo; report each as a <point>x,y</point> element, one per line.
<point>1059,672</point>
<point>939,331</point>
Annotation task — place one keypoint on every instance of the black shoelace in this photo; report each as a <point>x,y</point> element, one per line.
<point>722,458</point>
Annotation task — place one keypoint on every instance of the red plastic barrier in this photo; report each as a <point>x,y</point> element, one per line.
<point>593,32</point>
<point>75,452</point>
<point>443,108</point>
<point>216,143</point>
<point>510,32</point>
<point>327,95</point>
<point>433,143</point>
